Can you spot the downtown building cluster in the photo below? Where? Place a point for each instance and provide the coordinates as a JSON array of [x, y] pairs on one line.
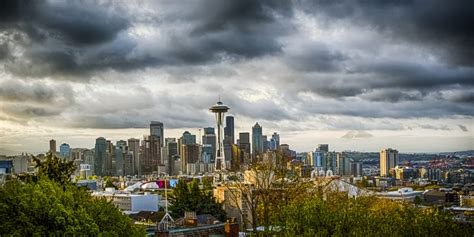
[[156, 154]]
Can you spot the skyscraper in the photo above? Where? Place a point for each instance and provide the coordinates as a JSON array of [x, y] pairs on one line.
[[274, 141], [52, 146], [109, 164], [134, 148], [191, 154], [209, 138], [156, 129], [266, 143], [188, 138], [65, 151], [257, 143], [220, 109], [244, 145], [151, 150], [388, 160], [343, 164], [170, 153], [229, 130], [100, 155], [121, 151], [323, 147]]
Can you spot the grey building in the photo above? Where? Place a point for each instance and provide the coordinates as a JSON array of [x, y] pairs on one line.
[[100, 155], [257, 142]]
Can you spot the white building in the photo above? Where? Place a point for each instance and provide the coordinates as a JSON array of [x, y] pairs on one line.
[[131, 202], [402, 194]]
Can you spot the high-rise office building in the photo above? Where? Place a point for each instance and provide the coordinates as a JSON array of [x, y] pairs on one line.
[[121, 155], [151, 154], [388, 160], [191, 154], [209, 138], [100, 154], [207, 151], [274, 141], [343, 164], [356, 169], [257, 143], [170, 154], [109, 165], [188, 138], [266, 143], [323, 147], [52, 146], [134, 148], [244, 145], [229, 130], [317, 158], [65, 151], [330, 162], [156, 129]]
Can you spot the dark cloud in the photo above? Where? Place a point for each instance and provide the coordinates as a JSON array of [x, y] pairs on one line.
[[444, 26], [75, 23], [311, 57], [392, 96], [244, 16], [27, 112], [463, 128], [37, 92], [76, 38], [4, 51], [461, 97]]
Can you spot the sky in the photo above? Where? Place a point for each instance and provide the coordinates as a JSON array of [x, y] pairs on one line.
[[358, 75]]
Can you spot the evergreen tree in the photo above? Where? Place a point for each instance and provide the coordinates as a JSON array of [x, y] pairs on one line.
[[191, 198], [55, 168]]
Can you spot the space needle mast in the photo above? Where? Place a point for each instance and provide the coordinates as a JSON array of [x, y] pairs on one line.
[[219, 109]]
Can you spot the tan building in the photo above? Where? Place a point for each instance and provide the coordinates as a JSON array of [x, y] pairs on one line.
[[52, 146], [233, 203], [388, 159]]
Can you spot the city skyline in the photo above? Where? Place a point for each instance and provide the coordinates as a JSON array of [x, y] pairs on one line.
[[397, 75]]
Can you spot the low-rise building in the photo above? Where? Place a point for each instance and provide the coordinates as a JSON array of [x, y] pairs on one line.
[[130, 202]]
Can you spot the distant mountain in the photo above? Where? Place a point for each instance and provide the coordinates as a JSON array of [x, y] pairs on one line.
[[357, 134], [7, 152], [458, 153]]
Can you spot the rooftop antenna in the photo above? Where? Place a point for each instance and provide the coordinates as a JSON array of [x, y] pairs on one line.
[[164, 223]]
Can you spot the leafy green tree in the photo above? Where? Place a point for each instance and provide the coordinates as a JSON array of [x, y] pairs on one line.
[[191, 198], [338, 215], [55, 168], [48, 207], [48, 204]]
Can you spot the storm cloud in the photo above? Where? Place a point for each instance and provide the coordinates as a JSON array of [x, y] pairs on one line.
[[118, 64]]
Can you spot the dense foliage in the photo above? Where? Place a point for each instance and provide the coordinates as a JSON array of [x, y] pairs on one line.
[[55, 168], [339, 215], [50, 204], [191, 198]]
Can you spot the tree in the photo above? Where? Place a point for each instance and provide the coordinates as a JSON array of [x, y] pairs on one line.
[[191, 198], [48, 203], [268, 185], [339, 215], [48, 207], [55, 168]]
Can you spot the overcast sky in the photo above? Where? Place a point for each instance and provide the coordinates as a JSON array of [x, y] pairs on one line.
[[359, 75]]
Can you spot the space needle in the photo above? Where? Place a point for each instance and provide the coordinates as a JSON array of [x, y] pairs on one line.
[[219, 109]]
